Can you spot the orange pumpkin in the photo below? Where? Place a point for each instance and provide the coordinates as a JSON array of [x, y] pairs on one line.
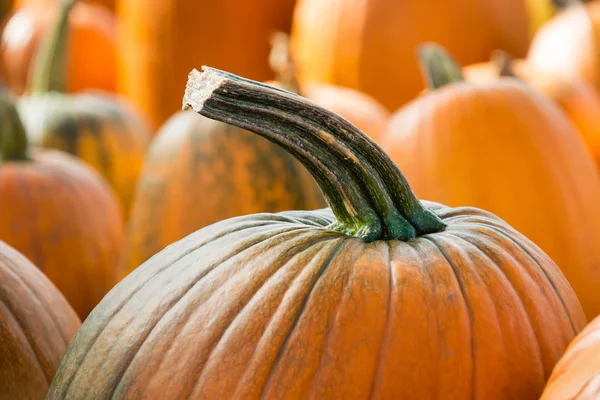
[[383, 296], [59, 213], [36, 325], [568, 46], [504, 147], [92, 53], [577, 374], [160, 41], [362, 110], [356, 43], [579, 100]]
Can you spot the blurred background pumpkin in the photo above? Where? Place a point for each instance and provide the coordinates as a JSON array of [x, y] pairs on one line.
[[92, 59]]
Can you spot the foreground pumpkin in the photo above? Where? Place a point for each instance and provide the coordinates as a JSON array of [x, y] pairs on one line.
[[96, 127], [578, 99], [231, 34], [59, 213], [577, 374], [92, 46], [36, 325], [339, 303], [356, 43], [504, 147], [568, 45]]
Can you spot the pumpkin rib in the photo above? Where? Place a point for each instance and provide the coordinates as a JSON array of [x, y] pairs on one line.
[[151, 278], [301, 309], [490, 244], [333, 250], [8, 262], [388, 318], [28, 339], [191, 286], [467, 304], [550, 281], [330, 328], [306, 246]]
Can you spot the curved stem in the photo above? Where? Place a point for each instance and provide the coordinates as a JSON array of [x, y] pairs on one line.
[[438, 67], [366, 191], [282, 62], [50, 63], [13, 139], [504, 62]]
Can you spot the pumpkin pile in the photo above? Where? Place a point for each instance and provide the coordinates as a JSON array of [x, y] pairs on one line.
[[372, 199]]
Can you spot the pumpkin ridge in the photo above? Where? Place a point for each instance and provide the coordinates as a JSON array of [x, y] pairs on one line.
[[324, 267], [151, 278], [388, 318], [9, 263], [333, 250], [491, 244], [526, 251], [28, 338], [304, 244], [468, 306], [331, 327], [192, 284]]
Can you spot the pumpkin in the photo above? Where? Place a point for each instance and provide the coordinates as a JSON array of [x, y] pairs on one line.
[[97, 127], [355, 43], [362, 110], [567, 46], [579, 100], [36, 325], [156, 50], [504, 147], [110, 4], [577, 374], [59, 213], [335, 303], [92, 46]]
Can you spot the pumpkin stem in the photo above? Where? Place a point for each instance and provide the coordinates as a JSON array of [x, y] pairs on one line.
[[50, 63], [366, 191], [438, 67], [13, 139], [282, 62], [504, 62]]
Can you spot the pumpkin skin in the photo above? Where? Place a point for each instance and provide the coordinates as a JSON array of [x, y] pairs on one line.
[[36, 325], [576, 376], [354, 43], [95, 127], [503, 147], [198, 172], [578, 99], [92, 59], [568, 47], [150, 42], [284, 305]]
